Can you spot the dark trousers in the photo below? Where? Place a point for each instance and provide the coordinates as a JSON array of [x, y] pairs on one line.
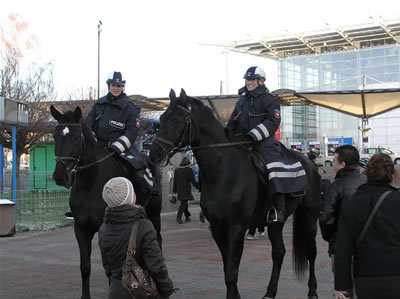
[[183, 209], [387, 287]]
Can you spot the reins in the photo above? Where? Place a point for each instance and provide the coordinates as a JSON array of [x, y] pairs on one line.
[[96, 162], [188, 125], [77, 168]]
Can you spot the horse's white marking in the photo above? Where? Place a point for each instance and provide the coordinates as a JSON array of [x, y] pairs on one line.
[[65, 131]]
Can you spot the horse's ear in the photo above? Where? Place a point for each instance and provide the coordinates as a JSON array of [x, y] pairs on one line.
[[182, 96], [55, 113], [172, 95], [77, 114]]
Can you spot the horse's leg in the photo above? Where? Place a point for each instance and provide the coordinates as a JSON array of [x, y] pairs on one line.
[[84, 239], [153, 211], [278, 253], [230, 243], [311, 255]]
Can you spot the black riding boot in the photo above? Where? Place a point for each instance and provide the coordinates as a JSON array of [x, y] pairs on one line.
[[277, 214]]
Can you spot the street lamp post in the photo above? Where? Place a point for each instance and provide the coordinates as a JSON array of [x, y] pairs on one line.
[[98, 58]]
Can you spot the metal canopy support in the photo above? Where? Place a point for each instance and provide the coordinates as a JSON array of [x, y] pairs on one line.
[[387, 29], [344, 35]]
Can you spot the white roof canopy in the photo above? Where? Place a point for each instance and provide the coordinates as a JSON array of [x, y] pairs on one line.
[[360, 103]]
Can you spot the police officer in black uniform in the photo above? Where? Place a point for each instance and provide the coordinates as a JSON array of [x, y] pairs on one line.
[[256, 118], [114, 118]]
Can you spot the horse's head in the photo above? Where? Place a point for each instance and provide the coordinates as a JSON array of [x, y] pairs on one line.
[[175, 129], [69, 140]]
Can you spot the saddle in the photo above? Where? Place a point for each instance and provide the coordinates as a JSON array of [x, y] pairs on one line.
[[258, 163], [139, 163], [134, 158]]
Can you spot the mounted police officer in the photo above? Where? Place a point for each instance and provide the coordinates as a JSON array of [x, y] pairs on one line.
[[115, 122], [256, 118]]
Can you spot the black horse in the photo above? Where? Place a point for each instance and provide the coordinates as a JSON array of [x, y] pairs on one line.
[[232, 192], [83, 164]]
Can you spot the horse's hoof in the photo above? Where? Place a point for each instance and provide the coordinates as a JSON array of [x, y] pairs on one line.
[[313, 297]]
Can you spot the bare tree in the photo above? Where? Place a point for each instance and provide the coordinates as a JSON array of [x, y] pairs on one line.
[[33, 87]]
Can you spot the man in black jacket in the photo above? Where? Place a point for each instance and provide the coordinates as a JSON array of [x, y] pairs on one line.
[[345, 184], [183, 179]]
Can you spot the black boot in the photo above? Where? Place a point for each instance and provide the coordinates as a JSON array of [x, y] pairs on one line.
[[277, 214], [69, 215], [201, 217]]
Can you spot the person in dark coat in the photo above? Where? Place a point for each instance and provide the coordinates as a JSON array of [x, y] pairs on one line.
[[345, 184], [183, 179], [114, 236], [377, 258], [256, 118]]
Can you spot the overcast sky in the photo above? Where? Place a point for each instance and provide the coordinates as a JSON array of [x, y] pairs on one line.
[[157, 44]]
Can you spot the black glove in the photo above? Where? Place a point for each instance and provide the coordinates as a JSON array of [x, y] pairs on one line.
[[245, 137], [115, 149]]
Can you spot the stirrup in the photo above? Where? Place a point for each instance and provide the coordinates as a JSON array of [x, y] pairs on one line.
[[268, 215]]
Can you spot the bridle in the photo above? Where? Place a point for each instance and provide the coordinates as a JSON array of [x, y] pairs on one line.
[[75, 168], [188, 127], [175, 148]]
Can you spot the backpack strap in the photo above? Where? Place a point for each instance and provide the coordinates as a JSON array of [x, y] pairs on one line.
[[371, 216], [132, 238]]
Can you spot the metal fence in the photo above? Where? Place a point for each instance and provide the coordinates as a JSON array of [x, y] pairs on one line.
[[36, 209], [41, 205]]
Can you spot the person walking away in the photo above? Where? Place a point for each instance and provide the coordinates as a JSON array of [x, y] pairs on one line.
[[345, 184], [183, 179], [120, 215], [377, 256], [256, 118]]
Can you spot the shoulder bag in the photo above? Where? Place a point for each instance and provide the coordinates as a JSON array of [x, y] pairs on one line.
[[136, 280], [371, 216]]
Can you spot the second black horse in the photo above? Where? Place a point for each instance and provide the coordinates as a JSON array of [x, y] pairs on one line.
[[232, 192]]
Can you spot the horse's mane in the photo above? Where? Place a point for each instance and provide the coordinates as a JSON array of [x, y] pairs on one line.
[[207, 113]]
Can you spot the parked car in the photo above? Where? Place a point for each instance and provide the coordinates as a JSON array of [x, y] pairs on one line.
[[368, 152], [324, 161]]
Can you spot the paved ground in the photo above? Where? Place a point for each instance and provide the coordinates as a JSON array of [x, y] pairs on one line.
[[46, 265]]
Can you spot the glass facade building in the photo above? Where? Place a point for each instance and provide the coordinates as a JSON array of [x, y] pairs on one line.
[[371, 66]]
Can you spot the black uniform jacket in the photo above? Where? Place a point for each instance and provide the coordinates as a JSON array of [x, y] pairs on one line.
[[345, 184], [114, 236], [257, 114], [378, 254], [183, 177], [115, 121], [112, 117]]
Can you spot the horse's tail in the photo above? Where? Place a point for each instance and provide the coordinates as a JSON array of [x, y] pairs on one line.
[[300, 242]]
